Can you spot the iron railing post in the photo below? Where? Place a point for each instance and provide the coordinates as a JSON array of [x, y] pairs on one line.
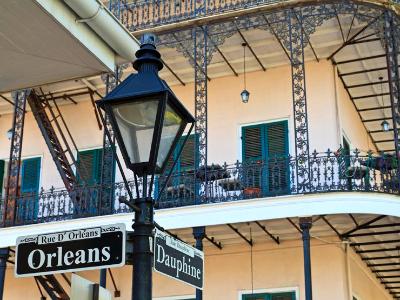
[[392, 49]]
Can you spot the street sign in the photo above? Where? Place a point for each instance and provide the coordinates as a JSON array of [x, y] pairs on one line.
[[70, 251], [178, 260]]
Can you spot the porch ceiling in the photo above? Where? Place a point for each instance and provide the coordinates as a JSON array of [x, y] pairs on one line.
[[228, 60], [35, 48], [374, 238]]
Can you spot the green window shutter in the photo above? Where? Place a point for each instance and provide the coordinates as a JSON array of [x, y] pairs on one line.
[[90, 166], [283, 296], [30, 175], [266, 143], [2, 166], [98, 165], [277, 139], [277, 149], [187, 160], [252, 143], [188, 157]]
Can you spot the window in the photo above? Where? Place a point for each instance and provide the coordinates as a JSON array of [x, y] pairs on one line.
[[264, 153], [271, 296], [30, 176], [186, 161], [28, 204], [181, 185], [89, 164]]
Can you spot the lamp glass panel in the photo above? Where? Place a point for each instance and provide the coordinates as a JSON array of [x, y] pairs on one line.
[[171, 125], [136, 121]]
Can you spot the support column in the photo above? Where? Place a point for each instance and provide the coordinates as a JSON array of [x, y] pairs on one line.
[[108, 158], [10, 203], [296, 46], [200, 77], [199, 234], [392, 50], [106, 204], [4, 252], [305, 225]]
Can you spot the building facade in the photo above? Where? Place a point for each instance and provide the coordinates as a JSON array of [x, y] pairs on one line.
[[312, 154]]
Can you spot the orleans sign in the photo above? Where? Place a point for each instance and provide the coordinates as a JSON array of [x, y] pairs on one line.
[[68, 251]]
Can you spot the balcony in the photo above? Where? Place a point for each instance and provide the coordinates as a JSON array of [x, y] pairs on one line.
[[329, 172], [142, 14]]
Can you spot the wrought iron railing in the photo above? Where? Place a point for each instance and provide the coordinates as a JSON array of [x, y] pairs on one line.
[[141, 14], [330, 172]]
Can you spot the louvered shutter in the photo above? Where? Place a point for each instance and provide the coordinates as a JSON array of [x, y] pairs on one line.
[[30, 175], [252, 138], [98, 165], [90, 166], [2, 165], [253, 150], [277, 152], [170, 162], [186, 162], [277, 139], [187, 158]]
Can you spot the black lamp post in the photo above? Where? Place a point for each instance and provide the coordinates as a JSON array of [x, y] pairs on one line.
[[147, 120]]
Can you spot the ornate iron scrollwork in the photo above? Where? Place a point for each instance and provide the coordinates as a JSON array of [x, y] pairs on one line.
[[392, 51], [108, 161], [200, 73], [296, 46]]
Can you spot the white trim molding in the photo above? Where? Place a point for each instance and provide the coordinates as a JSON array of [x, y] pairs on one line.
[[231, 212], [176, 297]]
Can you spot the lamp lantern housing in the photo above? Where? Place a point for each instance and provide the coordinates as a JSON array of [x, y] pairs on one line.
[[146, 116]]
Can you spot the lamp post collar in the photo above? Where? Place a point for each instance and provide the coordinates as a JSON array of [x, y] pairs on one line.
[[148, 58]]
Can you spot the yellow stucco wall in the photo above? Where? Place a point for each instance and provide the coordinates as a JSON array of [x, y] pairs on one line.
[[271, 99]]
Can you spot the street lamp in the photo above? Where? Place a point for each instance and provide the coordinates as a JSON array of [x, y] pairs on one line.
[[147, 120]]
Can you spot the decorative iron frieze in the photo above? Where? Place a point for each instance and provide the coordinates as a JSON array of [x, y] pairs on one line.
[[108, 156], [392, 51], [200, 41], [295, 41]]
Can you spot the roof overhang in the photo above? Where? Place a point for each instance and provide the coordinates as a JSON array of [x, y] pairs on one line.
[[45, 41]]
